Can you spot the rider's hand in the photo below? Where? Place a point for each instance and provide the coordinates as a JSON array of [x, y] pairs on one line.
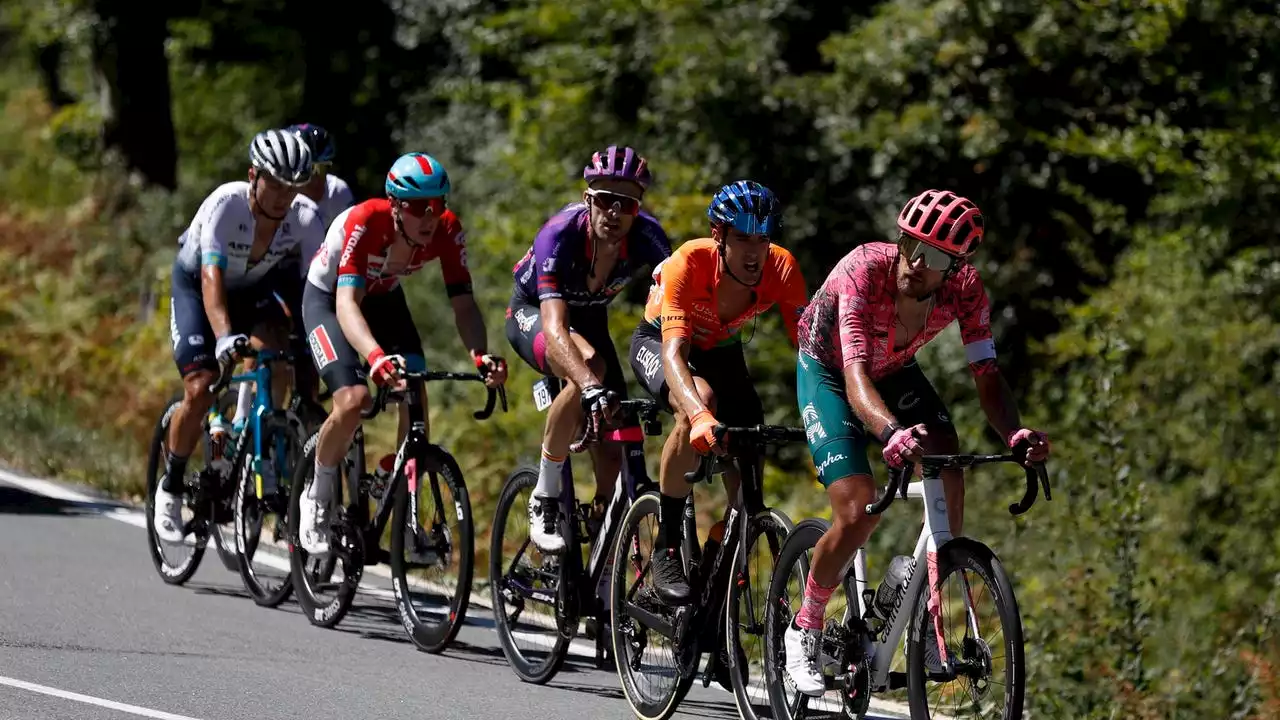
[[1037, 443], [702, 435], [225, 348], [385, 369], [493, 368], [598, 402], [904, 446]]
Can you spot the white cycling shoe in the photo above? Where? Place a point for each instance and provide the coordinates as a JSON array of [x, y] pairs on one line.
[[802, 659], [168, 516], [544, 524], [313, 524]]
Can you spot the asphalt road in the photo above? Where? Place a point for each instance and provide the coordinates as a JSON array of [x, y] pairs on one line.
[[88, 631]]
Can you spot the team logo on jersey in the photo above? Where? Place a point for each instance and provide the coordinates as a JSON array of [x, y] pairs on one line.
[[649, 360], [352, 240], [321, 347]]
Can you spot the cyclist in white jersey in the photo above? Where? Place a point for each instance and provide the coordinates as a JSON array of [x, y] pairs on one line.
[[222, 289]]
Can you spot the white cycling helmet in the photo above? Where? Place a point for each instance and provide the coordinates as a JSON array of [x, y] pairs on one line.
[[282, 155]]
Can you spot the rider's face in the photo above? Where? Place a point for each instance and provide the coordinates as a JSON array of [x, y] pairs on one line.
[[419, 218], [917, 280], [315, 187], [272, 196], [612, 205], [743, 253]]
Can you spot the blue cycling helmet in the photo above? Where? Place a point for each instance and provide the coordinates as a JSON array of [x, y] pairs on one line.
[[318, 139], [415, 176], [746, 206]]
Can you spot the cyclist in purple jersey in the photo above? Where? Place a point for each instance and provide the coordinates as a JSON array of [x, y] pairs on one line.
[[558, 319]]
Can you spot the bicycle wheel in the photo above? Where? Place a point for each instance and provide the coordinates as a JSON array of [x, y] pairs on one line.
[[786, 589], [432, 548], [261, 524], [522, 582], [651, 678], [744, 615], [990, 653], [175, 562], [324, 599]]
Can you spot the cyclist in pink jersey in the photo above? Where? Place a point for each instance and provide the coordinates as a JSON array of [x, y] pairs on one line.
[[857, 379]]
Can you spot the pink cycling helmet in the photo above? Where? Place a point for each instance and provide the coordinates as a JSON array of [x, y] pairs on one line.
[[944, 220], [619, 163]]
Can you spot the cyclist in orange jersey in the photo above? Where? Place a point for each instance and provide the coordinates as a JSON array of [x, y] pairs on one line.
[[687, 353]]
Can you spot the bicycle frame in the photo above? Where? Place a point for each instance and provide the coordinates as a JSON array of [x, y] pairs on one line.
[[263, 416]]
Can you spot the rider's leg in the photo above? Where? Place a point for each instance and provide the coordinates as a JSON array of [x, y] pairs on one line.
[[564, 418]]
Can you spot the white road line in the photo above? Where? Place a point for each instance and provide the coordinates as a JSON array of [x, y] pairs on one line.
[[137, 519], [90, 700]]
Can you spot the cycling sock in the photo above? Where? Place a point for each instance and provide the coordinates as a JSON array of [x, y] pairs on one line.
[[323, 484], [244, 403], [175, 467], [670, 521], [814, 607], [549, 475]]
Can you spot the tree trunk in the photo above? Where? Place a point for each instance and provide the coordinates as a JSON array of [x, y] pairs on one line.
[[129, 59]]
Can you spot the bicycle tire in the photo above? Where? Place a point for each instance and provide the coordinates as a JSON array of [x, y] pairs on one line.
[[170, 575], [246, 495], [803, 538], [774, 526], [537, 673], [436, 465], [661, 708], [326, 615], [969, 554]]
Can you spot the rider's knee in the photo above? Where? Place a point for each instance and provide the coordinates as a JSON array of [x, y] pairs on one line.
[[195, 389], [348, 402]]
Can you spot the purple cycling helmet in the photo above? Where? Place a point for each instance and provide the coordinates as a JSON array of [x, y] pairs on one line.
[[620, 163]]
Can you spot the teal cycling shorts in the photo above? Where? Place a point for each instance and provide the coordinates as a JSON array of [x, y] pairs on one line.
[[837, 438]]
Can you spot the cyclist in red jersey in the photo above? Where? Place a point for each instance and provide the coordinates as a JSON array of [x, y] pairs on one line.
[[857, 379], [355, 311]]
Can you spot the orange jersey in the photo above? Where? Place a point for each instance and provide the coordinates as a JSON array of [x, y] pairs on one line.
[[682, 301]]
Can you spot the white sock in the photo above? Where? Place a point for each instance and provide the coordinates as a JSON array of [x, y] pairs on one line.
[[549, 475], [243, 403], [322, 485]]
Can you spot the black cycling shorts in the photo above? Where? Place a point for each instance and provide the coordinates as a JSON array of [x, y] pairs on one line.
[[389, 320], [524, 332], [193, 340], [724, 368]]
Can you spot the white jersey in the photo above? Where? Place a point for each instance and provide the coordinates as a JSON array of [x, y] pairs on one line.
[[337, 197], [222, 234]]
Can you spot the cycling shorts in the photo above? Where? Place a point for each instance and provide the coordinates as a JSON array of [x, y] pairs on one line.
[[524, 332], [189, 329], [723, 367], [837, 438], [389, 320]]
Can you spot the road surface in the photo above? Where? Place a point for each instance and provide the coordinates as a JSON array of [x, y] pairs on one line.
[[89, 632]]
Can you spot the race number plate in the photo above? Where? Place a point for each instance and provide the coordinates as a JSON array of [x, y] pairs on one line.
[[541, 395]]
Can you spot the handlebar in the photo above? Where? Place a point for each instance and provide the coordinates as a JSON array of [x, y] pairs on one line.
[[740, 439], [386, 394], [632, 421], [932, 465], [243, 350]]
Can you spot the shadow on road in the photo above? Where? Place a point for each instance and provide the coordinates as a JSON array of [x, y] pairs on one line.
[[16, 501]]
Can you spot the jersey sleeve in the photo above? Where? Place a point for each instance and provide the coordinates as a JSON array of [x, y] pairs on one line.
[[353, 265], [793, 296], [974, 316], [676, 290], [216, 224], [341, 198], [310, 243], [550, 246], [658, 244], [853, 314], [453, 260]]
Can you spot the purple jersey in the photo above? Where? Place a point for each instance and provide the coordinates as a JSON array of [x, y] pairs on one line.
[[558, 263]]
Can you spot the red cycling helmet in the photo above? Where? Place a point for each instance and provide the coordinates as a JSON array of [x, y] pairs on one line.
[[944, 220]]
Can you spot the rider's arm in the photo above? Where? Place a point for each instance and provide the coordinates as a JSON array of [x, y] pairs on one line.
[[672, 282], [350, 287], [470, 322], [855, 344], [215, 300], [555, 326], [794, 295], [994, 393], [457, 285], [865, 399], [997, 401]]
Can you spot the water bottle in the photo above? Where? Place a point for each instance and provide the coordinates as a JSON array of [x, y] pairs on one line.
[[382, 476], [219, 434], [887, 594]]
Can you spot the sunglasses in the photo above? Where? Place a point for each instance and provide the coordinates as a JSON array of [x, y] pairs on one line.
[[421, 206], [934, 259], [617, 202]]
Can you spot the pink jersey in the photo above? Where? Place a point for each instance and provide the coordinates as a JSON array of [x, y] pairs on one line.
[[852, 318]]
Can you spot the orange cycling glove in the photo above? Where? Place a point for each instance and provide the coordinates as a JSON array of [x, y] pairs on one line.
[[702, 434]]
